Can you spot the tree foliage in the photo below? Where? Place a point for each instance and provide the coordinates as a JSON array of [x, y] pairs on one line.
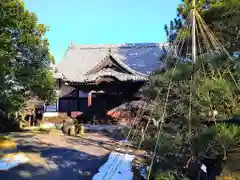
[[216, 87], [215, 90], [221, 16], [25, 60]]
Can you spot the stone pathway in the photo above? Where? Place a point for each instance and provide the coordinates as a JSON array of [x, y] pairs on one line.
[[59, 157]]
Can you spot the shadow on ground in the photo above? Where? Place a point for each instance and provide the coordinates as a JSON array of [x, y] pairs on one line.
[[109, 145], [54, 163]]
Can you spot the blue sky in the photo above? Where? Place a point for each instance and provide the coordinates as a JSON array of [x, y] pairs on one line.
[[102, 21]]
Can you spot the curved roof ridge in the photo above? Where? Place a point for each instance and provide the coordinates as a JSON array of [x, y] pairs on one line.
[[119, 75], [121, 62], [115, 46]]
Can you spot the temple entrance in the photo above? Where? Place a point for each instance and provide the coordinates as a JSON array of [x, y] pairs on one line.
[[99, 102], [99, 107]]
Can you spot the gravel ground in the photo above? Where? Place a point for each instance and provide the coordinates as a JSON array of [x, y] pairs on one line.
[[59, 157]]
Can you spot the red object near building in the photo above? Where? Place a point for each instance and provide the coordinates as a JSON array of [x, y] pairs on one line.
[[114, 114], [89, 99], [75, 114]]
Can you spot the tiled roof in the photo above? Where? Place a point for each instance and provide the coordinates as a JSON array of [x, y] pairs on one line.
[[120, 76], [80, 59]]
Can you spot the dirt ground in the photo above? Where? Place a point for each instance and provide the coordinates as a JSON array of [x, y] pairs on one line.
[[59, 157]]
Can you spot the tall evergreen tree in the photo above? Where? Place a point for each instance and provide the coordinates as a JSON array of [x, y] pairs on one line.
[[220, 15], [217, 88]]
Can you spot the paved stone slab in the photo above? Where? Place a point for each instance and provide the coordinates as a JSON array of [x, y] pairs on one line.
[[59, 157]]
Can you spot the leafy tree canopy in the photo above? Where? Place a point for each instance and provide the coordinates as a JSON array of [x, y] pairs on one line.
[[25, 60]]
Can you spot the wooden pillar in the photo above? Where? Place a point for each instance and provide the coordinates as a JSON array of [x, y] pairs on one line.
[[57, 105], [89, 99]]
